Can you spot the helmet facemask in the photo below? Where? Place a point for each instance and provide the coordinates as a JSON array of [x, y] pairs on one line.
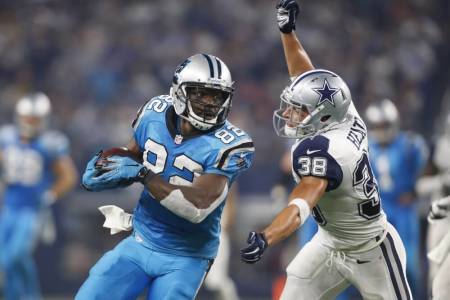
[[30, 127], [383, 121], [314, 102], [32, 113], [293, 119], [201, 90], [206, 105]]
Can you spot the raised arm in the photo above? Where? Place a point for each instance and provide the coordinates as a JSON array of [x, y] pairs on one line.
[[297, 59]]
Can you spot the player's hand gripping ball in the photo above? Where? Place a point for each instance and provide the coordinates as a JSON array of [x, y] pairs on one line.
[[110, 169], [102, 163]]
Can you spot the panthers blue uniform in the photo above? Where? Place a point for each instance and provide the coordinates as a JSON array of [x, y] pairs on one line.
[[26, 172], [171, 253], [397, 167]]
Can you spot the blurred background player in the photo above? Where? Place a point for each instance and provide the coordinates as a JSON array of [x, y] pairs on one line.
[[398, 158], [218, 279], [36, 170]]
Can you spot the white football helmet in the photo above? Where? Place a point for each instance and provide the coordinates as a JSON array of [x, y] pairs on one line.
[[32, 113], [383, 121], [197, 76], [314, 102]]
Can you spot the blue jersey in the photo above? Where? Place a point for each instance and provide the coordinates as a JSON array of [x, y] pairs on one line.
[[226, 150], [26, 168], [398, 165]]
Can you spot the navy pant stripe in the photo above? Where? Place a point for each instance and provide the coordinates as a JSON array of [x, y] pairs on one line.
[[399, 266], [391, 271]]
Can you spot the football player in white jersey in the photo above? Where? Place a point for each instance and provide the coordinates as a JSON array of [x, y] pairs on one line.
[[355, 245], [437, 187]]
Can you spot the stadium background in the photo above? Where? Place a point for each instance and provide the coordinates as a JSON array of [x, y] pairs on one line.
[[99, 61]]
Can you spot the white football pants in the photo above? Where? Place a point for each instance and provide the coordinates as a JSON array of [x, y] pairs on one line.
[[439, 272], [318, 272]]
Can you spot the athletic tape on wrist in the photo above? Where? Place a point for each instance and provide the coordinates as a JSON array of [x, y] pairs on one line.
[[303, 206], [145, 176]]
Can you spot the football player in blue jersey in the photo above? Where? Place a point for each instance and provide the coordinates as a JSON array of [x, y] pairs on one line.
[[398, 159], [36, 169], [355, 244], [189, 157]]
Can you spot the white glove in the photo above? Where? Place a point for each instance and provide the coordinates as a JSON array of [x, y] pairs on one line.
[[116, 218]]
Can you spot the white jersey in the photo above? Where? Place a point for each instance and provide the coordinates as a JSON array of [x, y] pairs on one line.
[[349, 214]]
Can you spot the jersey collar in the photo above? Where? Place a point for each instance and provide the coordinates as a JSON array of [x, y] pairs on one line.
[[172, 119]]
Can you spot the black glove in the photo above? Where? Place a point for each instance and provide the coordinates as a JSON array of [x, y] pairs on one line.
[[287, 11], [256, 245]]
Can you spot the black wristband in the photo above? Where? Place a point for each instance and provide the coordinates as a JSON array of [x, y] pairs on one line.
[[145, 176], [287, 30], [263, 237]]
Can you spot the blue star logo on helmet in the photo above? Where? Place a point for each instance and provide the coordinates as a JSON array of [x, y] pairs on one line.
[[326, 93]]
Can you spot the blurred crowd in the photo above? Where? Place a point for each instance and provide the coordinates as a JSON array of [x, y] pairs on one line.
[[99, 61]]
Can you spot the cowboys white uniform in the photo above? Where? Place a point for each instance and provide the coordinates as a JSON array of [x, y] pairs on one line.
[[355, 245], [438, 236]]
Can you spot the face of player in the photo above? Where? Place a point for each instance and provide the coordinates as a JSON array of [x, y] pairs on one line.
[[30, 126], [384, 133], [206, 102], [295, 115]]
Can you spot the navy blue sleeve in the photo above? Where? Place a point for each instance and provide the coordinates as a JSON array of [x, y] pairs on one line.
[[311, 158]]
